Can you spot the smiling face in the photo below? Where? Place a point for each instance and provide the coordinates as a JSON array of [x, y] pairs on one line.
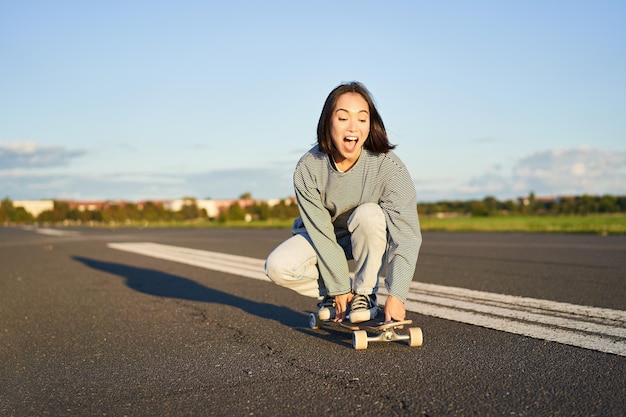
[[349, 128]]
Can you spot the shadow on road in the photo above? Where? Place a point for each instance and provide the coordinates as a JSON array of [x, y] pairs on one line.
[[153, 282]]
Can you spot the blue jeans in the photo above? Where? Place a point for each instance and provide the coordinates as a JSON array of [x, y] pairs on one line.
[[293, 264]]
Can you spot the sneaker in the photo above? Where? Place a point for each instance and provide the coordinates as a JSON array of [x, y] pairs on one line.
[[327, 309], [363, 308]]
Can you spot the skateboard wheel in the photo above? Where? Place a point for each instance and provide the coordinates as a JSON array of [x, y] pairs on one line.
[[416, 338], [314, 321], [324, 314], [359, 339]]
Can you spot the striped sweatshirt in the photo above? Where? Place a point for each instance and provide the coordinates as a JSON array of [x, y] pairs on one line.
[[327, 198]]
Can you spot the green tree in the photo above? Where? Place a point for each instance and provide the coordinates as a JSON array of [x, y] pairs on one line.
[[233, 213], [510, 207], [479, 209], [284, 210], [259, 211], [153, 212], [190, 211], [20, 215], [6, 208], [566, 205], [491, 204], [114, 213], [586, 204], [59, 213], [8, 212], [608, 204], [531, 207]]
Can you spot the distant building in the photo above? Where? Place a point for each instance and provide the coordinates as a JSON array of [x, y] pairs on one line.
[[35, 207], [213, 207], [86, 205]]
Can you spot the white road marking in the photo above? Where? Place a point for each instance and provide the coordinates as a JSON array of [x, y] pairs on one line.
[[232, 264], [51, 232], [594, 328]]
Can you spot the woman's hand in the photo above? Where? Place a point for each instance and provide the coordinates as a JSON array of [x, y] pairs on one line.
[[341, 306], [394, 309]]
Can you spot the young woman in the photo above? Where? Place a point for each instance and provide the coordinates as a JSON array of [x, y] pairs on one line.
[[357, 201]]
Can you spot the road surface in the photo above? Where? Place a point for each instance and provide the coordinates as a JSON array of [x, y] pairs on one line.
[[182, 322]]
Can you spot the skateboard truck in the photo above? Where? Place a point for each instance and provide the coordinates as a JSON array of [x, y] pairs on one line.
[[385, 332]]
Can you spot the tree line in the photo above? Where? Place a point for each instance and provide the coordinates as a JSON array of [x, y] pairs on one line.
[[155, 212], [531, 205], [148, 212]]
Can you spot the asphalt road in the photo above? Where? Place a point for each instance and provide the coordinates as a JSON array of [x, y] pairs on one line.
[[86, 329]]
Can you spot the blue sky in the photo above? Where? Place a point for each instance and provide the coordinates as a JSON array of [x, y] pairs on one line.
[[154, 100]]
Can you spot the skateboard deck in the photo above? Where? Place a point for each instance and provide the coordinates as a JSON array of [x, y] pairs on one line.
[[384, 332]]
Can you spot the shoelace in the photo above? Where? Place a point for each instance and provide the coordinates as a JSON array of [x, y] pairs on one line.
[[327, 302], [360, 301]]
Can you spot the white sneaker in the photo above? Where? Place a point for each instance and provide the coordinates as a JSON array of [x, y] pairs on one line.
[[326, 308], [363, 308]]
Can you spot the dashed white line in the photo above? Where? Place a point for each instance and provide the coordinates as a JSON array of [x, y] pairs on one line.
[[594, 328]]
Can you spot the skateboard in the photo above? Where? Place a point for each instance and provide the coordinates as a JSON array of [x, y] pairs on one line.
[[385, 332]]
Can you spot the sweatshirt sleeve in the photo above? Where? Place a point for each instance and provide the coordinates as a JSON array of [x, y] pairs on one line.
[[399, 202], [332, 262]]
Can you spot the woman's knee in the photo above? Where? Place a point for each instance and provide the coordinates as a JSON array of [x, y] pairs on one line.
[[369, 214], [290, 261], [276, 268]]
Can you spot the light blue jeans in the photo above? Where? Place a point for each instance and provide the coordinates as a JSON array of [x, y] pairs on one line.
[[293, 264]]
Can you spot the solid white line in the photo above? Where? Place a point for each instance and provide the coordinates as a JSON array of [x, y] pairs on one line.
[[594, 328], [51, 232], [568, 337], [232, 264], [514, 312]]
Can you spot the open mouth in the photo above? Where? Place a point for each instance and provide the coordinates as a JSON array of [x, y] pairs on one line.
[[350, 143]]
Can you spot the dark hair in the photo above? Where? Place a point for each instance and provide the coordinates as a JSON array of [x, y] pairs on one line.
[[377, 141]]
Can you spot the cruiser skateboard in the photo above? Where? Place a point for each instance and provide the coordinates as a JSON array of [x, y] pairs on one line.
[[384, 332]]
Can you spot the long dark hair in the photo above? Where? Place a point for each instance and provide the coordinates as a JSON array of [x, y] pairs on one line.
[[377, 141]]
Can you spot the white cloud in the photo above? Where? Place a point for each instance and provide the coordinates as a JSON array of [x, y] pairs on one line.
[[26, 154], [31, 171], [582, 170], [554, 172], [576, 170], [261, 183]]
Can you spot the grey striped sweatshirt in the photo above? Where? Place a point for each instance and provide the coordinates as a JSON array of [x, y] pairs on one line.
[[327, 197]]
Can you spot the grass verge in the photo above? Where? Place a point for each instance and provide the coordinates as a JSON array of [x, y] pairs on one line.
[[591, 224]]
